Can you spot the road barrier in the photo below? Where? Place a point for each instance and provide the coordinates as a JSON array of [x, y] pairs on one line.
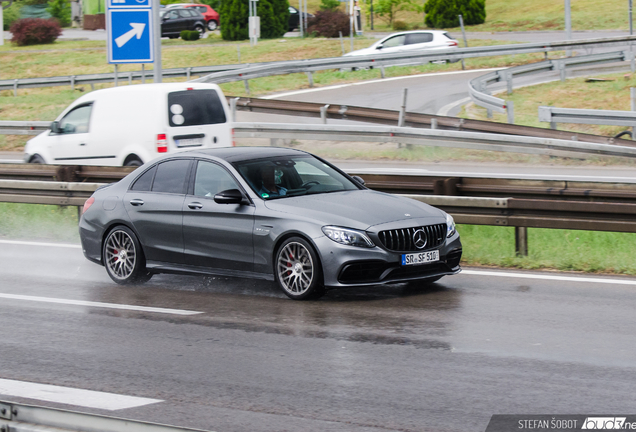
[[15, 417], [242, 72], [478, 87], [554, 115]]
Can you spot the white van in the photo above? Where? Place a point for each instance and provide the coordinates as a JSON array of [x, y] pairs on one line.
[[131, 125]]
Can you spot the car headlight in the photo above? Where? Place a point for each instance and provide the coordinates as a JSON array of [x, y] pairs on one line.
[[450, 226], [348, 236]]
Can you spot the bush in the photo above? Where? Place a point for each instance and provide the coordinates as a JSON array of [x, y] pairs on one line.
[[329, 5], [400, 25], [444, 13], [34, 31], [234, 18], [60, 9], [328, 24], [190, 35]]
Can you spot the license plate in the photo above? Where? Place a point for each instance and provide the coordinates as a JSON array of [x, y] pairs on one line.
[[189, 142], [420, 258]]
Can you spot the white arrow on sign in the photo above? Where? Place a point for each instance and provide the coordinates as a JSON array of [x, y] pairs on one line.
[[137, 30]]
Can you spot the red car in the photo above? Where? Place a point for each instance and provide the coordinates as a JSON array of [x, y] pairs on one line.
[[211, 16]]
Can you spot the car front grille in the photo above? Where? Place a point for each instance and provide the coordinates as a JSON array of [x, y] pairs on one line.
[[401, 240]]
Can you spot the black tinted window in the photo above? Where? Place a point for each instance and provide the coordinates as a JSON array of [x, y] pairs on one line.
[[145, 180], [170, 176], [417, 38], [195, 107]]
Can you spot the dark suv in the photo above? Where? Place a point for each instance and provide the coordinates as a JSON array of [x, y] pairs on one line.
[[176, 19]]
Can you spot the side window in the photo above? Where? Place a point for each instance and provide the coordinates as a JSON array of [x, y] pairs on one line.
[[144, 181], [200, 9], [417, 38], [170, 176], [77, 120], [211, 179], [394, 42], [173, 15], [185, 13]]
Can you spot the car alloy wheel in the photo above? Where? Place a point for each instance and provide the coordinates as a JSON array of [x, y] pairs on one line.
[[212, 25], [200, 29], [297, 270], [123, 257]]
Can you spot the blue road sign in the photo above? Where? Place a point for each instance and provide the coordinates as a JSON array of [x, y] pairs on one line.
[[128, 4], [130, 36]]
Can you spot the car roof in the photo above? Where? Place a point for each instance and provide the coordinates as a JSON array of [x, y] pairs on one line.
[[239, 154]]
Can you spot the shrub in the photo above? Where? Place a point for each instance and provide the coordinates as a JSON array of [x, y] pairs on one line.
[[60, 9], [329, 24], [234, 18], [444, 13], [400, 25], [34, 31], [190, 35], [329, 5]]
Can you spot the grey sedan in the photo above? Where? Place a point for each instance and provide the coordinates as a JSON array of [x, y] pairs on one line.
[[271, 213]]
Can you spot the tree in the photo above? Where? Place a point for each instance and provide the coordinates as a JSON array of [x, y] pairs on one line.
[[234, 14], [329, 5], [444, 13], [60, 9], [389, 8]]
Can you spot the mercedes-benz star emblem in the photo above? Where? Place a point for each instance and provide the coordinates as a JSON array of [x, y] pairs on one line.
[[419, 239]]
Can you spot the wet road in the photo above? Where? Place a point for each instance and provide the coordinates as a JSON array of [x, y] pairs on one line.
[[442, 358]]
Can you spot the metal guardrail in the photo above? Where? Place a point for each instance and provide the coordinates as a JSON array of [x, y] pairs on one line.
[[478, 87], [229, 73], [555, 115], [15, 417], [431, 137]]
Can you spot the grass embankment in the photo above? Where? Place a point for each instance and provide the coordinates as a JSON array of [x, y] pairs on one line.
[[490, 246], [613, 94]]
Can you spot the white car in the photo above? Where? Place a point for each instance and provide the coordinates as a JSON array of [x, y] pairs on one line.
[[410, 41]]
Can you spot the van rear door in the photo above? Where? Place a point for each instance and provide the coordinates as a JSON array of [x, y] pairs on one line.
[[197, 118]]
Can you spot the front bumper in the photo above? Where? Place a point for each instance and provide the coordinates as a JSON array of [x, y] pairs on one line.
[[348, 266]]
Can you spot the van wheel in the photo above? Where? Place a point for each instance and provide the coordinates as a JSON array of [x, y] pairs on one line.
[[36, 159], [212, 25], [133, 162]]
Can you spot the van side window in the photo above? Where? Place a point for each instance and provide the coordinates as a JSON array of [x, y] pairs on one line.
[[211, 179], [170, 176], [77, 120], [195, 107], [144, 181]]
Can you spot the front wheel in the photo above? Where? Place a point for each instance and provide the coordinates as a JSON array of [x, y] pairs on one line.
[[297, 270], [123, 257]]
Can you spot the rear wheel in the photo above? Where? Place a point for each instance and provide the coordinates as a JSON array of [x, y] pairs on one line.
[[133, 162], [36, 159], [123, 257], [297, 270], [200, 29], [212, 25]]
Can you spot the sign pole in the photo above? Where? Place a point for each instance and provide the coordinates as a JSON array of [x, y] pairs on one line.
[[158, 71]]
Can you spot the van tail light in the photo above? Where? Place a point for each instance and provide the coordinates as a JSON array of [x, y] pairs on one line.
[[233, 142], [452, 43], [89, 202], [162, 143]]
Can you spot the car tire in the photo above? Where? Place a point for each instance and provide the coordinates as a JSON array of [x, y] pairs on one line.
[[133, 162], [123, 257], [200, 29], [36, 159], [297, 270], [212, 25]]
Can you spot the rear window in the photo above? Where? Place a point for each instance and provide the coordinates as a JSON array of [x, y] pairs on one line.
[[194, 108]]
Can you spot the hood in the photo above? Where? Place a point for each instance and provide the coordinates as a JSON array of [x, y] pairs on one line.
[[359, 209]]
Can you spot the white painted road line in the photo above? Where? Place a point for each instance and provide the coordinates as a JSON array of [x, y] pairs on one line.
[[72, 396], [28, 243], [99, 304], [555, 277]]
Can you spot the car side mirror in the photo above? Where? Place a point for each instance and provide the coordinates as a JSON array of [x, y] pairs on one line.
[[230, 196], [359, 180], [55, 127], [379, 47]]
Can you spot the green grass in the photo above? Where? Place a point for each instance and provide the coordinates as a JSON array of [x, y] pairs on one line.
[[566, 250], [38, 222]]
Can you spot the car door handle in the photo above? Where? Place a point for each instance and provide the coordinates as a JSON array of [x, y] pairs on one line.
[[137, 202], [82, 144], [195, 205]]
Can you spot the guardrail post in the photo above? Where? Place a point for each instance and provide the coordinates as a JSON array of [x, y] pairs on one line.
[[311, 79], [233, 102], [92, 86], [323, 113], [238, 50], [510, 110], [509, 82], [188, 72], [15, 88], [143, 73], [382, 71], [129, 78], [521, 241], [247, 86], [72, 82], [561, 66], [433, 123], [116, 77], [402, 108], [342, 43], [632, 94]]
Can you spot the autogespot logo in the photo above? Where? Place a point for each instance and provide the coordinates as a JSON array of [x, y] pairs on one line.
[[604, 423]]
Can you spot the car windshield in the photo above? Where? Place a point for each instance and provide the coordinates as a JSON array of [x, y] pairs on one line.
[[283, 177]]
